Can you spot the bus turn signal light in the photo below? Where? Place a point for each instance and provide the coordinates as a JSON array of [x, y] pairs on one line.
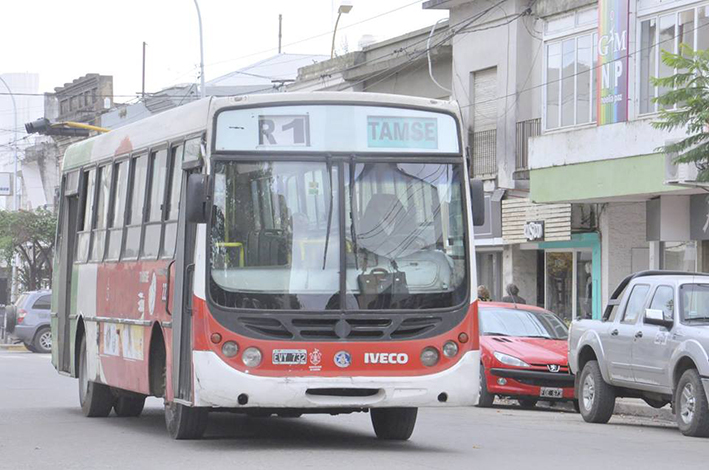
[[216, 338], [463, 338]]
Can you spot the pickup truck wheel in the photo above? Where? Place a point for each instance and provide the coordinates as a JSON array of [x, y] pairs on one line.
[[691, 406], [486, 398], [596, 397]]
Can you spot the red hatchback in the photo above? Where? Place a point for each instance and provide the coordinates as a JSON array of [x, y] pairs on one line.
[[523, 354]]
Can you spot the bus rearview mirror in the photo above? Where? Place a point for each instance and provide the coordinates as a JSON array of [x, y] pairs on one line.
[[197, 200], [477, 198]]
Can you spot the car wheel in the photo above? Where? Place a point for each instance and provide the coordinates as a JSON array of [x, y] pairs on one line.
[[577, 407], [527, 402], [486, 399], [691, 406], [393, 423], [96, 399], [30, 347], [596, 397], [185, 422], [43, 340], [129, 405]]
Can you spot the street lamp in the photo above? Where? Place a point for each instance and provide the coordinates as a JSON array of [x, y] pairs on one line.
[[345, 8], [203, 92]]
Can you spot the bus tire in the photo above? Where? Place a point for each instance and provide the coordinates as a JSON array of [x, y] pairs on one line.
[[185, 422], [129, 405], [96, 399], [486, 399], [393, 423]]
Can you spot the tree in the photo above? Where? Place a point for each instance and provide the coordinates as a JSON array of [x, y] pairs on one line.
[[30, 235], [685, 104]]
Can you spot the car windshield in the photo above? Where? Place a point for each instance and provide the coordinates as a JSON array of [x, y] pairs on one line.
[[276, 235], [694, 302], [521, 323]]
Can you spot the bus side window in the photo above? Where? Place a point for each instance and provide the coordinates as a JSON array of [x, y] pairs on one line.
[[87, 212], [139, 173], [154, 208], [118, 211], [172, 209], [99, 233]]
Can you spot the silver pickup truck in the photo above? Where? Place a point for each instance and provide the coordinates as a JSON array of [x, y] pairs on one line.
[[652, 343]]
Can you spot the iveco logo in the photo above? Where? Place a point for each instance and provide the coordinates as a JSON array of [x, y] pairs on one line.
[[554, 367], [386, 358]]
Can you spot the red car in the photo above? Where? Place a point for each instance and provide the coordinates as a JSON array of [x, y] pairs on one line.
[[523, 354]]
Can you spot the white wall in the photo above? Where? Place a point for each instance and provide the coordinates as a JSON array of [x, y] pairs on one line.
[[622, 229]]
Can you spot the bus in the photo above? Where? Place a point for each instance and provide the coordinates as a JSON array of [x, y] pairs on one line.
[[274, 254]]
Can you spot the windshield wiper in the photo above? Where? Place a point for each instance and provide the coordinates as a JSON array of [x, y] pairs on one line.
[[329, 212], [697, 319]]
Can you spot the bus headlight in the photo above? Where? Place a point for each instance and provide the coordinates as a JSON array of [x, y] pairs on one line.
[[429, 356], [251, 357], [230, 348], [450, 349]]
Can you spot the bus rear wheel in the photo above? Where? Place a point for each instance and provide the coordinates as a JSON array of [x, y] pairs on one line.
[[185, 422], [393, 423], [96, 399], [129, 405]]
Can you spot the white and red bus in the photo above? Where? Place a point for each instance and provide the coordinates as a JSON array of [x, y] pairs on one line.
[[277, 254]]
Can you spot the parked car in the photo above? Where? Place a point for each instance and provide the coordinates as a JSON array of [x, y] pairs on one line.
[[652, 343], [29, 320], [523, 354]]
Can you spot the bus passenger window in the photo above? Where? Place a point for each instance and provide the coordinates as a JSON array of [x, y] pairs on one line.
[[87, 205], [173, 203], [117, 216], [135, 216], [99, 234], [153, 226]]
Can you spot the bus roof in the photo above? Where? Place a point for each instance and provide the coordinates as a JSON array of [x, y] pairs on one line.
[[194, 117]]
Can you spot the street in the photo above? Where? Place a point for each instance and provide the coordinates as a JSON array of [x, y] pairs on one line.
[[41, 426]]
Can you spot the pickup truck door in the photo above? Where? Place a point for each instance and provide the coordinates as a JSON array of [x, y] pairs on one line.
[[653, 344], [620, 334]]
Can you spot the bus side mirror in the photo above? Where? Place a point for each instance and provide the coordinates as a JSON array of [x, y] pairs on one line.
[[197, 199], [477, 198]]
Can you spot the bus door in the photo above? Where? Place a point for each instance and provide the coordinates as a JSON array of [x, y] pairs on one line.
[[64, 285], [182, 302]]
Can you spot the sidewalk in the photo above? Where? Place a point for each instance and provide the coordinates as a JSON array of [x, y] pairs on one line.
[[12, 347], [637, 407]]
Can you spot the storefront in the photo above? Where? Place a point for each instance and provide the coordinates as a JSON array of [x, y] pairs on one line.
[[488, 245]]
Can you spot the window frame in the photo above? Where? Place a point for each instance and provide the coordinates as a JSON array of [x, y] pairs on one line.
[[674, 299], [126, 158], [81, 221], [38, 299], [100, 168], [134, 156], [642, 308], [172, 147], [152, 157]]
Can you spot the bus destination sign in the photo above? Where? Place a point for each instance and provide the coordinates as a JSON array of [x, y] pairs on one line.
[[402, 132]]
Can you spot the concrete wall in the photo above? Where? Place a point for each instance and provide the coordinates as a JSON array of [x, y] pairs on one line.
[[520, 267], [622, 229], [518, 58], [415, 80]]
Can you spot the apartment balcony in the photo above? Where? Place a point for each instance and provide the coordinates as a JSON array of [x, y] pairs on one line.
[[525, 130], [483, 146]]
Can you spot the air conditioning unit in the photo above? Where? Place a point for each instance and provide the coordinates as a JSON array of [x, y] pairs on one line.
[[679, 173]]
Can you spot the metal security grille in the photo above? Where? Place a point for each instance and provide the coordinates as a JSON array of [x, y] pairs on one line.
[[525, 130], [484, 148]]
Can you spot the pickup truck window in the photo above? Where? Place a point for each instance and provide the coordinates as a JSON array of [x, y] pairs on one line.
[[694, 303], [664, 299], [636, 302]]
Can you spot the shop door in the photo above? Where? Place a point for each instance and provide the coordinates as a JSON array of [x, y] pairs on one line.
[[569, 284]]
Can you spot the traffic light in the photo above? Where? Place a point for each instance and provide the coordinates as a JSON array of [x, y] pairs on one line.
[[40, 126], [69, 129]]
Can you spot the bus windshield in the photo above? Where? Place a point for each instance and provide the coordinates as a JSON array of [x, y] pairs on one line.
[[278, 239]]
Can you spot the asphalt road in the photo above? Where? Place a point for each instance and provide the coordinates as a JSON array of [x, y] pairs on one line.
[[41, 426]]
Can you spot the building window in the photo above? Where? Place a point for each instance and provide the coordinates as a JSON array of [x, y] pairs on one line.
[[571, 77], [666, 32], [64, 107]]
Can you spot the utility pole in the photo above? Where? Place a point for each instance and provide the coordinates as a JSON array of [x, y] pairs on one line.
[[16, 203], [203, 92], [143, 89], [280, 29]]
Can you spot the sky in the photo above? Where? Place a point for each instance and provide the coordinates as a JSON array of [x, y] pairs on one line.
[[63, 40]]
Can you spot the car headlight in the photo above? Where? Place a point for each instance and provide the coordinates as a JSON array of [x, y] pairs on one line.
[[509, 360]]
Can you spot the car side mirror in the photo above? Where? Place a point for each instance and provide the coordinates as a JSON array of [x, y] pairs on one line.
[[197, 198], [477, 199], [655, 316]]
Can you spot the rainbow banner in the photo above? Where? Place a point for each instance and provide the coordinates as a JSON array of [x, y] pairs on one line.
[[612, 93]]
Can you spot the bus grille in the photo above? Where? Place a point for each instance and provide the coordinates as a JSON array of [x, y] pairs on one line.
[[338, 328]]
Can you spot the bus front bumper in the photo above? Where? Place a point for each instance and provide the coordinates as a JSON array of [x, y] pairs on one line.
[[216, 384]]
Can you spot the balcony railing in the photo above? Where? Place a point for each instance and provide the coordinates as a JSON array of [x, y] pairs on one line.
[[525, 130], [484, 148]]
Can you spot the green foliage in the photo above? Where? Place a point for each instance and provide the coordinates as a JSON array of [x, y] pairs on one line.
[[685, 105], [31, 236]]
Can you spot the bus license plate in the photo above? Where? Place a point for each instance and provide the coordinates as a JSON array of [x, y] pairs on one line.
[[548, 392], [290, 356]]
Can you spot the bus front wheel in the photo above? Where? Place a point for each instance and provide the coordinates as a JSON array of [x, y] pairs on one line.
[[393, 423], [96, 399], [185, 422]]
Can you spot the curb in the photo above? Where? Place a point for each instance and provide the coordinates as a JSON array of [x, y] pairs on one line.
[[13, 347], [637, 407]]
